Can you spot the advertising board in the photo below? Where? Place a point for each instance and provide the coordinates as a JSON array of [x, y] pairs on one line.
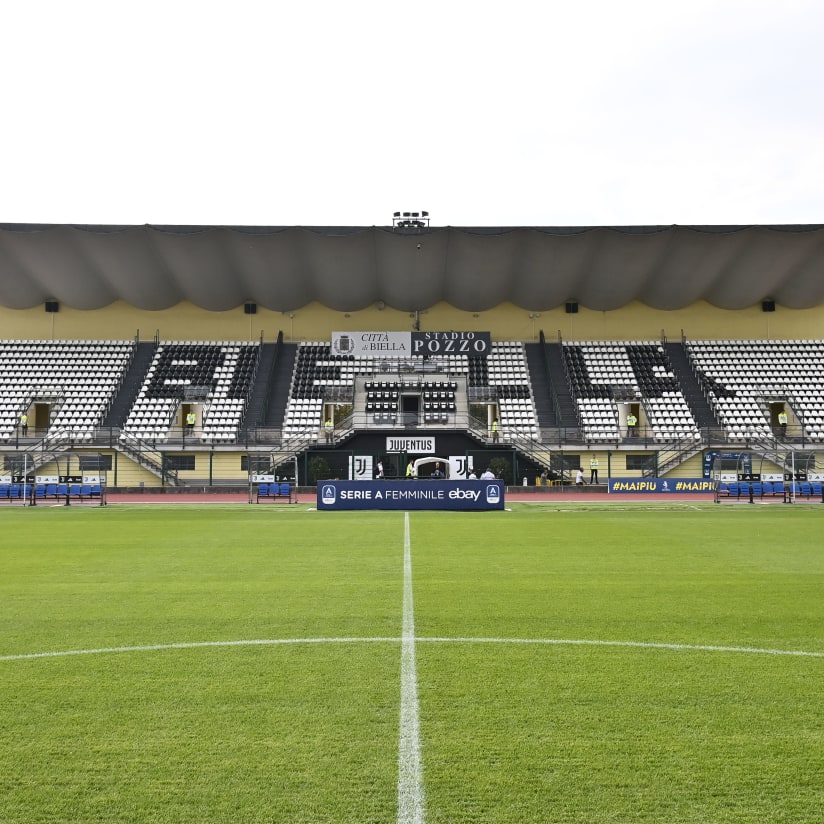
[[661, 485], [410, 495]]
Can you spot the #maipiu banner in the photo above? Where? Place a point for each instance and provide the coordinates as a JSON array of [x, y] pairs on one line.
[[661, 485]]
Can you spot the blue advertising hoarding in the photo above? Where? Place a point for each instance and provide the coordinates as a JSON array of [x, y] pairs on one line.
[[453, 495], [661, 485]]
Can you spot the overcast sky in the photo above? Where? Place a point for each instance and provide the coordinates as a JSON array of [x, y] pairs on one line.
[[485, 114]]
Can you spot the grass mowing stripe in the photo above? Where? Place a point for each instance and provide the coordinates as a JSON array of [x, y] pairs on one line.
[[410, 778]]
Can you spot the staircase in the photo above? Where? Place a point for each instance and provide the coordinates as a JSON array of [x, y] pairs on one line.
[[130, 386], [147, 456], [280, 383], [40, 454], [257, 401], [691, 389], [535, 451], [541, 390], [674, 455], [780, 453], [568, 417]]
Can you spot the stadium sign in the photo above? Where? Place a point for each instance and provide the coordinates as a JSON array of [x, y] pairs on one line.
[[420, 446], [661, 485], [387, 344], [402, 344], [411, 495], [476, 344]]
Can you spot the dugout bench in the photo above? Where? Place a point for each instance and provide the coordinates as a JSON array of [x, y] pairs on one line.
[[274, 492], [758, 489], [37, 493]]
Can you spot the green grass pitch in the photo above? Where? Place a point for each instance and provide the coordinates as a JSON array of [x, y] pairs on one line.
[[590, 665]]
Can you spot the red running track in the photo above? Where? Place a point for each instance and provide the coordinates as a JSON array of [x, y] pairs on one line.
[[570, 496]]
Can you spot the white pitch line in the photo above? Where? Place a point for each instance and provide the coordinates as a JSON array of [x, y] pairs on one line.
[[559, 642], [254, 642], [410, 773], [583, 642]]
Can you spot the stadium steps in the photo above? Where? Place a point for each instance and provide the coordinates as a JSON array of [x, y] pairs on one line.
[[147, 456], [541, 391], [280, 382], [132, 381], [257, 402], [690, 387], [673, 456], [560, 386]]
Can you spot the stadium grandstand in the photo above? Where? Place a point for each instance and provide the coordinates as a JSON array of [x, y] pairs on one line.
[[200, 357]]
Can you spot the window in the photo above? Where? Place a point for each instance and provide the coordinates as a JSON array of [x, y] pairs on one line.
[[95, 463], [180, 462], [640, 462], [256, 464]]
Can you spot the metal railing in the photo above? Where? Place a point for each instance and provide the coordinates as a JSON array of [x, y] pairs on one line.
[[42, 445], [147, 455], [672, 455]]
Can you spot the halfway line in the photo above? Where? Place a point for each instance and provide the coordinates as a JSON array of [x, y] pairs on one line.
[[410, 776]]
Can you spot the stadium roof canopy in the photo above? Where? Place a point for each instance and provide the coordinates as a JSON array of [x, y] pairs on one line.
[[349, 268]]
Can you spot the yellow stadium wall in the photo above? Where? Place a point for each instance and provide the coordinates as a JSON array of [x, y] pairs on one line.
[[225, 466], [614, 464], [691, 468], [316, 322], [126, 473], [766, 467], [131, 474]]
